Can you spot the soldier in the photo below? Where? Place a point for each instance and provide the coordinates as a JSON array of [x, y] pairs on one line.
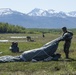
[[14, 47], [43, 34], [67, 40]]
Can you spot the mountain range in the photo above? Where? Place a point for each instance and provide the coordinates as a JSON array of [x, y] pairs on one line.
[[39, 18]]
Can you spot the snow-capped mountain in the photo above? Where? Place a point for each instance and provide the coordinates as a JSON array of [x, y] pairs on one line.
[[36, 12], [71, 14], [51, 13], [39, 12], [5, 11], [39, 18], [8, 11]]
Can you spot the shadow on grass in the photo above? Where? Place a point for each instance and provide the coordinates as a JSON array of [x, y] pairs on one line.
[[68, 60]]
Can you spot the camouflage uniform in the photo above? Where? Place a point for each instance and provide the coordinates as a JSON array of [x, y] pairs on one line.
[[67, 43]]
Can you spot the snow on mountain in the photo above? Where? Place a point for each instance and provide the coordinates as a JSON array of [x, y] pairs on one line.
[[7, 11], [47, 13], [51, 13], [39, 18], [39, 12], [61, 14], [36, 12], [71, 14]]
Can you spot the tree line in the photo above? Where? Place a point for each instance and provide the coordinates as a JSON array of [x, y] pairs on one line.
[[8, 28]]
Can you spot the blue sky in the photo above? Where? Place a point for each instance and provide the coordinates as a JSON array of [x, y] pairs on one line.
[[26, 6]]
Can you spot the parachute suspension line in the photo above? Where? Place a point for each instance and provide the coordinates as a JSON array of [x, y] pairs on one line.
[[35, 55], [44, 50], [39, 52], [46, 53]]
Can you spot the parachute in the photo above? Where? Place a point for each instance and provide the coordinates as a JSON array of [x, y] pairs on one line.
[[42, 53]]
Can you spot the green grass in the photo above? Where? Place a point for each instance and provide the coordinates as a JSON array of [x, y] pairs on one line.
[[61, 67]]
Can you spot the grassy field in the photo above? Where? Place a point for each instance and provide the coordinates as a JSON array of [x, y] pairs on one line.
[[61, 67]]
